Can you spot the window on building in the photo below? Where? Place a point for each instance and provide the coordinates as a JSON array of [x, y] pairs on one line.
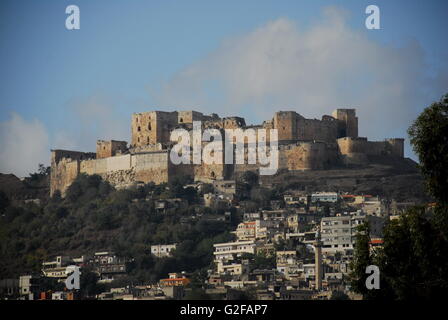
[[138, 129]]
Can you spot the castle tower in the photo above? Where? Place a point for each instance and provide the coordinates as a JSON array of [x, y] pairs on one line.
[[189, 116], [286, 124], [348, 122], [396, 146], [109, 148], [152, 127]]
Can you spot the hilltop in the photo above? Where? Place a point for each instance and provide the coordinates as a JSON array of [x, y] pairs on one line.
[[398, 179]]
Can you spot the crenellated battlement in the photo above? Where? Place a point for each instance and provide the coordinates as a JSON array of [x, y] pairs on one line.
[[303, 144]]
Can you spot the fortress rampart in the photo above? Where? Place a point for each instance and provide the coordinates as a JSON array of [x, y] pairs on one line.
[[304, 144], [356, 150]]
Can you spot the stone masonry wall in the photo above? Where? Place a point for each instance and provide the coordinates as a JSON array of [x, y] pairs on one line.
[[152, 167], [120, 171], [109, 148], [304, 144]]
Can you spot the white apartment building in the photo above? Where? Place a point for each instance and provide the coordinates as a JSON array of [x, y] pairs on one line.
[[339, 233], [227, 251], [57, 268], [162, 250], [255, 230]]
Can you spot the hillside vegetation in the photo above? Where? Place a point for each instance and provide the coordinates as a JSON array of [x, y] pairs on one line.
[[95, 217]]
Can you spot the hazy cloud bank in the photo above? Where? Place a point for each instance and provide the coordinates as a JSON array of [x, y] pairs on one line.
[[277, 66], [24, 144], [313, 71], [95, 117]]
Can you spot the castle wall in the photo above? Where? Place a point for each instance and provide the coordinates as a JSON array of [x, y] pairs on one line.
[[120, 171], [57, 155], [88, 166], [100, 166], [65, 168], [352, 145], [120, 178], [299, 156], [306, 156], [209, 172], [319, 130], [356, 150], [152, 167], [293, 127], [118, 163], [396, 146], [95, 166], [63, 174], [109, 148], [304, 144]]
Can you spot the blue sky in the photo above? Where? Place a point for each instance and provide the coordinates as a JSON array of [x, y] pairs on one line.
[[65, 89]]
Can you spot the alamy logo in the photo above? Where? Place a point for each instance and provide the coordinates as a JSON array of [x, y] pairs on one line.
[[72, 281], [373, 20], [73, 20], [189, 148], [373, 281]]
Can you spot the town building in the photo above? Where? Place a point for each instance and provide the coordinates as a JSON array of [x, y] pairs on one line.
[[162, 250], [339, 232]]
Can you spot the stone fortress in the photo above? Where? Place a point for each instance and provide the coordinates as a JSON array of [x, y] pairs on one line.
[[304, 144]]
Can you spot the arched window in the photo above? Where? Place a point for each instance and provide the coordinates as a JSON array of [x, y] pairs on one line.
[[138, 129], [181, 120], [149, 126]]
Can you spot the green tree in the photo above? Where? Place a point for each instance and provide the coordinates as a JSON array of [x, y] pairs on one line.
[[89, 285], [4, 201], [413, 261], [361, 260], [429, 138]]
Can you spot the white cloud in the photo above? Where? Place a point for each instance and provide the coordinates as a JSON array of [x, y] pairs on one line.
[[281, 67], [24, 144], [93, 118]]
